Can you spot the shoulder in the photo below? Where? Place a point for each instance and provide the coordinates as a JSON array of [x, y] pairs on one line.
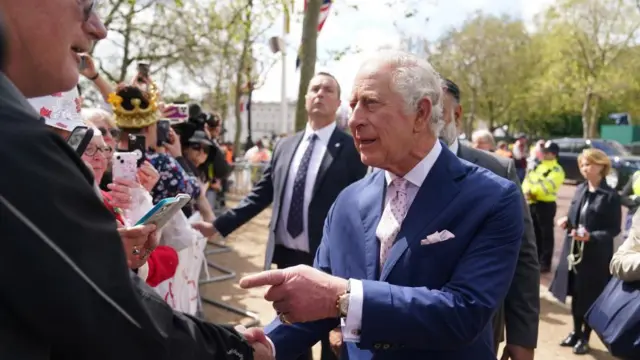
[[481, 176], [490, 161]]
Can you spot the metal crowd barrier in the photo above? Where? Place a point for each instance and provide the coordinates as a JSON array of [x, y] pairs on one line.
[[227, 274], [244, 176], [241, 180]]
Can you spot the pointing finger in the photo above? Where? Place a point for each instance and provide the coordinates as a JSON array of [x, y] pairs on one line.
[[271, 277]]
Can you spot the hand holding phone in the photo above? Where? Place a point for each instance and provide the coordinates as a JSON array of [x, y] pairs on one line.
[[124, 166], [164, 210]]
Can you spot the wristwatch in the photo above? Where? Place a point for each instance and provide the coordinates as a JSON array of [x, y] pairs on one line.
[[343, 302]]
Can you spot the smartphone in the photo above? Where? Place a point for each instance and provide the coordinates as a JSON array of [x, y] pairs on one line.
[[176, 112], [138, 144], [143, 69], [164, 127], [124, 166], [80, 138], [164, 210], [83, 63]]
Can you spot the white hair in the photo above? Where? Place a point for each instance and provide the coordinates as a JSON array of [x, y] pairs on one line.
[[91, 115], [415, 79], [484, 135]]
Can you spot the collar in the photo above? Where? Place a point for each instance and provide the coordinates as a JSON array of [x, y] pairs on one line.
[[454, 147], [419, 172], [324, 134]]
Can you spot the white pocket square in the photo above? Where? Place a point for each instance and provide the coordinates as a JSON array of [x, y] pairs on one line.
[[437, 237]]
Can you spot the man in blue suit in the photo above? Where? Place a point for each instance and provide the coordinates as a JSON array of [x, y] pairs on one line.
[[416, 257]]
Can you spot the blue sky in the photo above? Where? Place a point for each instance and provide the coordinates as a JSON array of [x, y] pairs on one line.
[[372, 26]]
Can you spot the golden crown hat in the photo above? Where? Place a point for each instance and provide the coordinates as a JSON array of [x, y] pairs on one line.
[[137, 118]]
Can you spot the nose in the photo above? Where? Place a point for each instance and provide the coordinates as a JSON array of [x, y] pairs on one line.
[[95, 28], [357, 118]]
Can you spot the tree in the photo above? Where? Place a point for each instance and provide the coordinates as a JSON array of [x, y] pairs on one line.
[[590, 39], [489, 58], [308, 55]]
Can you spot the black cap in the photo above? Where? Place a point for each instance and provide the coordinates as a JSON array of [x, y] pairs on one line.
[[452, 89], [551, 147], [200, 137]]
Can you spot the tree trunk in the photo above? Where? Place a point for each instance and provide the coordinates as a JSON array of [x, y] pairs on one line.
[[593, 118], [308, 56], [240, 81], [585, 113]]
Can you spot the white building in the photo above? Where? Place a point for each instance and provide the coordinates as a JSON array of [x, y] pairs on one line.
[[266, 119]]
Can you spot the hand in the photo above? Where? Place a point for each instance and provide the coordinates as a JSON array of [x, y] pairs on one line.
[[575, 235], [562, 222], [215, 185], [515, 352], [335, 340], [121, 191], [90, 67], [256, 337], [300, 293], [139, 241], [148, 176], [174, 147], [204, 187], [205, 228]]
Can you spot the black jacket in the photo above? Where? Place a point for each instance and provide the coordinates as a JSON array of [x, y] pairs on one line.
[[48, 310]]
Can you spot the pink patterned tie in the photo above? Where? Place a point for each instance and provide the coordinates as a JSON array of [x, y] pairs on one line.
[[392, 217]]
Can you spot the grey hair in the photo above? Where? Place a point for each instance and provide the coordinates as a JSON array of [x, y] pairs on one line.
[[484, 135], [415, 79], [90, 115]]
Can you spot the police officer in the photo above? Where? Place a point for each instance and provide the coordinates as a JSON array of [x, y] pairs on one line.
[[540, 188], [630, 197]]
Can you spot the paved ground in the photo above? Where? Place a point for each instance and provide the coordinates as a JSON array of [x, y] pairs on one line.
[[249, 245]]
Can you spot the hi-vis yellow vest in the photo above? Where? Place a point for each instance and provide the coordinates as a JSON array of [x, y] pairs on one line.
[[543, 182], [636, 183]]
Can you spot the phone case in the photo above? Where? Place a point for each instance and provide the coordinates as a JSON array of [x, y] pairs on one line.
[[164, 210], [125, 165]]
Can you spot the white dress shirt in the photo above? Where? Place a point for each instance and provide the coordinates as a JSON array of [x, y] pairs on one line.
[[320, 148], [351, 324]]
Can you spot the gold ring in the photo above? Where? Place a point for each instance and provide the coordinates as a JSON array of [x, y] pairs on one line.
[[283, 319]]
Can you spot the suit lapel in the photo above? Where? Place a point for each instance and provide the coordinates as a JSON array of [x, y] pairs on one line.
[[370, 204], [333, 149], [436, 193]]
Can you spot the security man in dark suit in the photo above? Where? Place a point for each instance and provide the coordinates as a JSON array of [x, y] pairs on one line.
[[522, 305], [67, 292], [305, 175]]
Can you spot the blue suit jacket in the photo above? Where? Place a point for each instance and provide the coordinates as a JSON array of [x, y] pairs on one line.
[[428, 301]]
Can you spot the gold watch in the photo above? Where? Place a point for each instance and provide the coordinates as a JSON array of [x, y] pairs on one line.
[[343, 302]]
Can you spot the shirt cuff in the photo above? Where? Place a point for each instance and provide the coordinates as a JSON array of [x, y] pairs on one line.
[[273, 347], [352, 323]]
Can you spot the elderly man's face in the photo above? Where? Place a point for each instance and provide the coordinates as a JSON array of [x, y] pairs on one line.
[[383, 133], [45, 38]]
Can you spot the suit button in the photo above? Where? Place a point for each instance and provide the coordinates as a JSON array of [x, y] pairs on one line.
[[376, 346], [386, 346]]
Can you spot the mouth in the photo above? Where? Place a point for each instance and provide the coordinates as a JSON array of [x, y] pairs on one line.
[[367, 142]]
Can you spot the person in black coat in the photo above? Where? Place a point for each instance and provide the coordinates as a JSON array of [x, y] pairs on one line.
[[591, 226]]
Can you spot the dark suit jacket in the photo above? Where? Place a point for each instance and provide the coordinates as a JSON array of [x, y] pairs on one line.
[[603, 223], [522, 305], [340, 167], [47, 309]]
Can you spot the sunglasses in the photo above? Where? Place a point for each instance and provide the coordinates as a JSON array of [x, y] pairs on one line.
[[113, 132]]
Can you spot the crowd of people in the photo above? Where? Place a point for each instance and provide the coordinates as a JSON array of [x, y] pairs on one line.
[[375, 249]]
